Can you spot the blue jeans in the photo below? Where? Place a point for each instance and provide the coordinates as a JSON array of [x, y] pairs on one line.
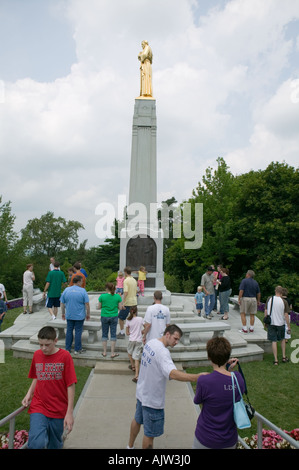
[[109, 322], [223, 298], [72, 325], [209, 303], [45, 433]]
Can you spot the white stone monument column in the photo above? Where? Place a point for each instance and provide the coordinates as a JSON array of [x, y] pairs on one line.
[[141, 242]]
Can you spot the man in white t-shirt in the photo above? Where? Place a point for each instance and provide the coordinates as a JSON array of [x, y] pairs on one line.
[[156, 368], [278, 309], [156, 319]]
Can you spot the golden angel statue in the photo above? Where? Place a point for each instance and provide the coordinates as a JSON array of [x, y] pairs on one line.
[[146, 59]]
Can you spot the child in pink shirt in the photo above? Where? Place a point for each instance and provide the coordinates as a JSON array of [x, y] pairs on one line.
[[120, 283], [134, 326]]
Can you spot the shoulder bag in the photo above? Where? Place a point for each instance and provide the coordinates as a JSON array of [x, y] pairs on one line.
[[240, 414], [267, 318]]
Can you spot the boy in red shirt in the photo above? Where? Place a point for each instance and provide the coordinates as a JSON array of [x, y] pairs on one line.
[[51, 394]]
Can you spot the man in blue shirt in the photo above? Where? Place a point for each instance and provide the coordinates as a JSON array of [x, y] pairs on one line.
[[249, 298], [75, 308]]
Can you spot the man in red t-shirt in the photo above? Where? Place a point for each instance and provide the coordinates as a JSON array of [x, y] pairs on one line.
[[51, 394]]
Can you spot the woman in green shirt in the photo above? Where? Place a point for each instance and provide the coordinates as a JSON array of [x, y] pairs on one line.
[[109, 303]]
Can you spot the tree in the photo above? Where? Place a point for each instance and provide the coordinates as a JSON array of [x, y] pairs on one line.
[[217, 194], [106, 255], [48, 235], [266, 211], [8, 237], [250, 222], [13, 259]]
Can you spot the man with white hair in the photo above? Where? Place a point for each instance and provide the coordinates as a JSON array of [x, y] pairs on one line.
[[249, 299]]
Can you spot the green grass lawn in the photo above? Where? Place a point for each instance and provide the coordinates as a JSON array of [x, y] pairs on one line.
[[272, 390]]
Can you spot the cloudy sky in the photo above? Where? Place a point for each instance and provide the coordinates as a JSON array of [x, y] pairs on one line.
[[225, 79]]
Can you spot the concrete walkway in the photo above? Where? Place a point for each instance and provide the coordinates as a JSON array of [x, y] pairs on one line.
[[107, 406]]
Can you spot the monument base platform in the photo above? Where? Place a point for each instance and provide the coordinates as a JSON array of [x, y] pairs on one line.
[[148, 298]]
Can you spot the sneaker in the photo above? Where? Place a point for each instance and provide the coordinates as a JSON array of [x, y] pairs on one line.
[[81, 351], [53, 317], [244, 330], [121, 336], [251, 330], [209, 317]]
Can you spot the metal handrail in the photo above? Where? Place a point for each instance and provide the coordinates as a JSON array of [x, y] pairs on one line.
[[260, 420], [11, 418]]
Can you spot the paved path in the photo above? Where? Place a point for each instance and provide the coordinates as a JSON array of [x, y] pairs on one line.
[[107, 406]]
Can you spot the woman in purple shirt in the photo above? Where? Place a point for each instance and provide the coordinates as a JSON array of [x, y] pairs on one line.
[[216, 428]]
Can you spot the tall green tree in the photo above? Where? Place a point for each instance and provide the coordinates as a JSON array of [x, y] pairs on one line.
[[217, 194], [250, 221], [49, 235], [267, 210], [13, 259]]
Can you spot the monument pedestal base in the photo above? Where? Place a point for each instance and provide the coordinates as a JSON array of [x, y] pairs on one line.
[[148, 298], [144, 249]]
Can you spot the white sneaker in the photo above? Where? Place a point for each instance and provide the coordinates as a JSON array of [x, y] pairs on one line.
[[53, 317]]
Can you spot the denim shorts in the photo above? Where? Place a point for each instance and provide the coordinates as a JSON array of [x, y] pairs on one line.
[[119, 290], [122, 314], [199, 306], [151, 418]]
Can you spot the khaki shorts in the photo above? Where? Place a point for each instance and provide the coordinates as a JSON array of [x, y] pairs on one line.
[[135, 349], [248, 305]]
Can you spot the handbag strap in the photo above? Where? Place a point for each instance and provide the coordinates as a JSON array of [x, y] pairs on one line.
[[241, 372], [235, 378], [271, 305]]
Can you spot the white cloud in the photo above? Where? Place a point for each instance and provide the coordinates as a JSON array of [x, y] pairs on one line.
[[225, 85]]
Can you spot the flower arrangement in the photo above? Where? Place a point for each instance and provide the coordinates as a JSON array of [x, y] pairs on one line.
[[271, 440], [21, 437]]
